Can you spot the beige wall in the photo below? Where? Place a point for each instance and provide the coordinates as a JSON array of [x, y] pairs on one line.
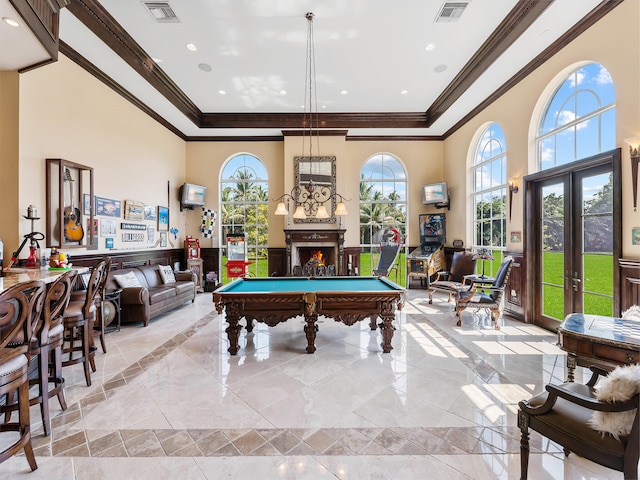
[[9, 113], [517, 113], [422, 159], [67, 113]]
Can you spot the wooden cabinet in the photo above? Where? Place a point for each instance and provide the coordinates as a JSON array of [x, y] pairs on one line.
[[195, 265]]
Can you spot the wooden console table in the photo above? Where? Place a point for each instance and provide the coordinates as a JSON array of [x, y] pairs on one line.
[[605, 342]]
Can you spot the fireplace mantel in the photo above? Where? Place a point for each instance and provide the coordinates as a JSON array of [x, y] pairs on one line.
[[295, 238]]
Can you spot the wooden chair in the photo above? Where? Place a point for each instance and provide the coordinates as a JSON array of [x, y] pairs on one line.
[[561, 414], [79, 318], [46, 347], [489, 297], [451, 281], [99, 299], [20, 308]]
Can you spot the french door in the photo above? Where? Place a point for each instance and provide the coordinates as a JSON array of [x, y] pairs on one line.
[[573, 230]]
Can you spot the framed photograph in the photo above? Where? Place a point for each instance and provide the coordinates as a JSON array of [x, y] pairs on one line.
[[516, 237], [108, 207], [150, 213], [86, 204], [163, 219], [107, 227], [151, 234], [635, 236], [133, 210], [163, 239]]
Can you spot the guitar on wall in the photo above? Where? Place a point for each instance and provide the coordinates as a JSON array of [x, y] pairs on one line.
[[73, 231]]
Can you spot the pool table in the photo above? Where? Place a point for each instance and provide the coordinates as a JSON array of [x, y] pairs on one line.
[[277, 299]]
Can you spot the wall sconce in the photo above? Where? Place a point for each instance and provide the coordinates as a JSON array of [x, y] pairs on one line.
[[513, 188], [634, 153]]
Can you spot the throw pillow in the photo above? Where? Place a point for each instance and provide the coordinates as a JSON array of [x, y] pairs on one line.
[[166, 273], [633, 313], [620, 385], [127, 280]]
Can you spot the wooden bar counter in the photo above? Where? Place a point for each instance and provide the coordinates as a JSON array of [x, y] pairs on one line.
[[15, 276]]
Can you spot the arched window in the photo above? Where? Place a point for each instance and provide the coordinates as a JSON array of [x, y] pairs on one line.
[[383, 206], [579, 120], [489, 192], [244, 196]]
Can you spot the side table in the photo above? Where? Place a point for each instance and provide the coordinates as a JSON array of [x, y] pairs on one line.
[[113, 297]]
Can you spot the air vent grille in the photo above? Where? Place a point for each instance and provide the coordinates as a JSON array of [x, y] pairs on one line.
[[451, 11], [161, 12]]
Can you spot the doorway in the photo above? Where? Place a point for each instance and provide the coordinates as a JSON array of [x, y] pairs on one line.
[[573, 234]]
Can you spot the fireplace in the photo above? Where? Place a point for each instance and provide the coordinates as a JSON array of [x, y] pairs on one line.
[[302, 245]]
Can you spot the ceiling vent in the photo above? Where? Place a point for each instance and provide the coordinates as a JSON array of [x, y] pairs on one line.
[[451, 11], [161, 12]]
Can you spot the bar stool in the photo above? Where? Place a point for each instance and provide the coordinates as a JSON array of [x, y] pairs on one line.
[[20, 308], [46, 347], [79, 317], [99, 328]]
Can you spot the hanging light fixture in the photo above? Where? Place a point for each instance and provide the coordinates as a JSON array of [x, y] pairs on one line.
[[310, 198]]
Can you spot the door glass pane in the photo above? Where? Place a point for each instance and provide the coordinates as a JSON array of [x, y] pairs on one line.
[[552, 254], [597, 235]]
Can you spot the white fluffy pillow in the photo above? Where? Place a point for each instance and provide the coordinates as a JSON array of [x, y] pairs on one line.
[[127, 280], [620, 385], [166, 272], [633, 313]]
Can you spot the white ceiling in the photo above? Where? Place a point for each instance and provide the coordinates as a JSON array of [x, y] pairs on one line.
[[373, 49]]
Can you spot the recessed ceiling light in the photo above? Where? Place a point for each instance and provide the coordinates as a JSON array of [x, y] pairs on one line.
[[222, 92], [404, 92], [205, 67], [344, 92], [283, 92], [191, 46], [440, 68], [429, 47], [10, 21], [324, 106]]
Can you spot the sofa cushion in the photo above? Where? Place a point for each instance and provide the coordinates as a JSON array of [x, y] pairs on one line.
[[166, 273], [183, 287], [159, 294], [127, 280]]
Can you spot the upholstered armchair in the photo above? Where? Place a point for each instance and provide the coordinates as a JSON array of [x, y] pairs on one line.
[[571, 414], [490, 297], [450, 282]]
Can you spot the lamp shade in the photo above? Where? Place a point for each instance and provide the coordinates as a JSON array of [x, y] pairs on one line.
[[299, 213], [281, 209], [341, 209], [322, 212]]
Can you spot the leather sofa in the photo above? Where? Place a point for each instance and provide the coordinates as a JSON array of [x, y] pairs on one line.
[[153, 297]]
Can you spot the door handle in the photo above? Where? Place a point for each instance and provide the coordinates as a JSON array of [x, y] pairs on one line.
[[576, 284]]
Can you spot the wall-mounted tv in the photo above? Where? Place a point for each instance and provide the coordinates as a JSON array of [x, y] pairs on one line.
[[435, 193], [192, 195]]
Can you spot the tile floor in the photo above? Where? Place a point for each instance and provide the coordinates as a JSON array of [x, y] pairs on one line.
[[169, 401]]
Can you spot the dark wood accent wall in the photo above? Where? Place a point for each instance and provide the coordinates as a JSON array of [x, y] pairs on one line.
[[277, 262], [515, 298], [173, 257], [629, 287], [210, 260]]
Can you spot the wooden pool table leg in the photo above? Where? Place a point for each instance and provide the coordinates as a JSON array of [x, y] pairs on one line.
[[233, 333], [310, 329], [311, 317], [387, 329]]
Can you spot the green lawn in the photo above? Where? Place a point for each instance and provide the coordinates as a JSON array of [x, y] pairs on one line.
[[598, 283]]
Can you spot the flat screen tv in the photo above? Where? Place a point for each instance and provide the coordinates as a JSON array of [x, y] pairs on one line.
[[435, 193], [192, 195]]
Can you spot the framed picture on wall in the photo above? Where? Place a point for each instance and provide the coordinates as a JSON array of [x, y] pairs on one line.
[[163, 239], [163, 219]]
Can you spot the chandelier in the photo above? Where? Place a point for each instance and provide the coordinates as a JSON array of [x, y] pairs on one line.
[[310, 197]]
